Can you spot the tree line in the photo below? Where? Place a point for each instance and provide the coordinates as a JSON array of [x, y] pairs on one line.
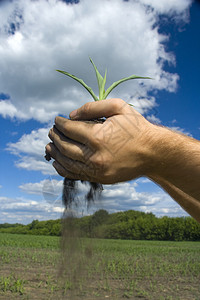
[[130, 225]]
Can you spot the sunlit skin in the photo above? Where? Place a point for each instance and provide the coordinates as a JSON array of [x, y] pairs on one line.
[[126, 146]]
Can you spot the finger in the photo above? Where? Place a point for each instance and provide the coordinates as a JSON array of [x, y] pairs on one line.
[[99, 109], [62, 171], [68, 163], [74, 166], [75, 130], [67, 147], [56, 154]]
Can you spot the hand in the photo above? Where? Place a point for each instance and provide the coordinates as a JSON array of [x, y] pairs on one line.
[[124, 147], [113, 151]]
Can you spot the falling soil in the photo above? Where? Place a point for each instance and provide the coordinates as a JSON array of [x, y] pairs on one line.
[[76, 251], [70, 191]]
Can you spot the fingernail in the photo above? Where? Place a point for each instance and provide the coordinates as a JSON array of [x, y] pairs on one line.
[[73, 114]]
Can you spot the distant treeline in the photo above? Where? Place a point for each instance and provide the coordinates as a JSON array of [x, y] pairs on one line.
[[130, 225]]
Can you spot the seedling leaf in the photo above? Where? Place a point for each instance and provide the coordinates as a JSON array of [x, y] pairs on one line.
[[89, 89], [116, 83], [101, 81], [102, 95]]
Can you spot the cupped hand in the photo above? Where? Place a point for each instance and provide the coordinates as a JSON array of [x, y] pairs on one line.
[[106, 152]]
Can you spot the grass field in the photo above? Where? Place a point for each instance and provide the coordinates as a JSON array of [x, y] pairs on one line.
[[111, 269]]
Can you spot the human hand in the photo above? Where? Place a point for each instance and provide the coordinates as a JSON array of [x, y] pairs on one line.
[[113, 151]]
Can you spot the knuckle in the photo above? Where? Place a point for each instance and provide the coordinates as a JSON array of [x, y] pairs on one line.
[[65, 127], [96, 135], [117, 103], [96, 160], [85, 109], [97, 142], [63, 148], [100, 163]]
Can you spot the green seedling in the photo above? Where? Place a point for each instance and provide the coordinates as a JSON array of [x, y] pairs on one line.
[[103, 94]]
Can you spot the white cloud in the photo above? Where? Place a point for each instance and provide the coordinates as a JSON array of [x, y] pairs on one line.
[[31, 149], [180, 130], [25, 210], [124, 196], [169, 6], [171, 211], [118, 35], [118, 197], [32, 164], [7, 109], [143, 180], [153, 119], [50, 189], [49, 185], [31, 144]]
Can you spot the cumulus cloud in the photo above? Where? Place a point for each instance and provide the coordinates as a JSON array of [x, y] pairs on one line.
[[124, 196], [173, 210], [32, 144], [49, 185], [30, 149], [25, 210], [34, 44], [118, 197], [143, 180], [121, 196], [154, 119], [180, 130], [169, 6], [32, 164], [50, 189]]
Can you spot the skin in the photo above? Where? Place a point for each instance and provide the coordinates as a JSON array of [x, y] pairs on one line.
[[126, 146]]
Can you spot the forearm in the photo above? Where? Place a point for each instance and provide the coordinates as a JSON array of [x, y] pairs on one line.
[[188, 203], [176, 160]]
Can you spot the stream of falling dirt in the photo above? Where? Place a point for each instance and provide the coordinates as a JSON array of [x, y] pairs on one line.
[[77, 252]]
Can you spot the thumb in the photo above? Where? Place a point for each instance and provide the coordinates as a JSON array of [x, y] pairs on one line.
[[98, 109]]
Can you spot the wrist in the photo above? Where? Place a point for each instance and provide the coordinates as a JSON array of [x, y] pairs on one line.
[[168, 151], [162, 149]]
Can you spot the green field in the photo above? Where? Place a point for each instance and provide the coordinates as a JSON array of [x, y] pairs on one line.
[[111, 269]]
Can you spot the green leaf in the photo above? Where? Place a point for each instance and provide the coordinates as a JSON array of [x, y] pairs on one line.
[[89, 89], [102, 96], [101, 81], [122, 80]]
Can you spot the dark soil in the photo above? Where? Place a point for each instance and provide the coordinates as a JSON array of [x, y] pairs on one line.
[[70, 191], [76, 253]]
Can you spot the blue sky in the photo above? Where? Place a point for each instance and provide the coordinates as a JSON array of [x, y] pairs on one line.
[[185, 103], [154, 38]]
